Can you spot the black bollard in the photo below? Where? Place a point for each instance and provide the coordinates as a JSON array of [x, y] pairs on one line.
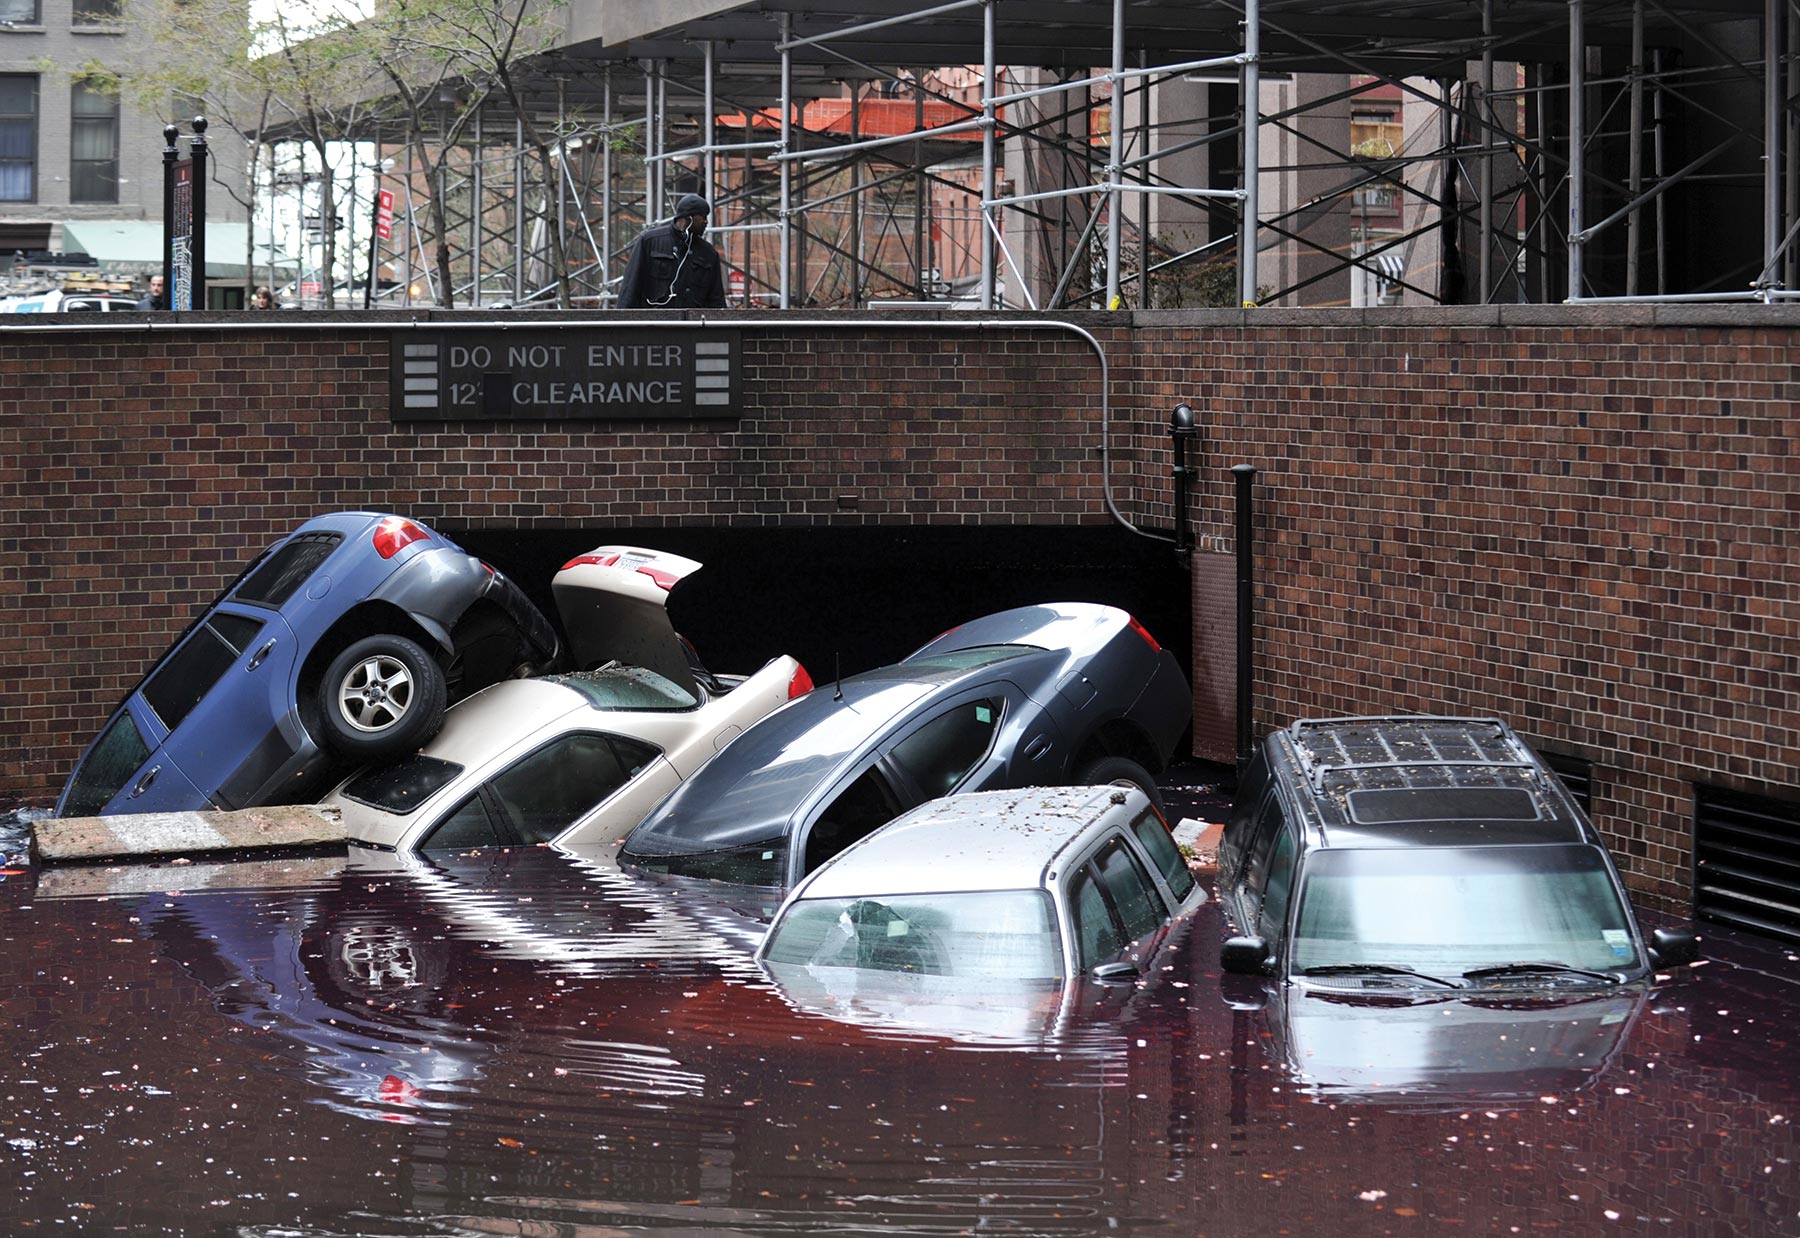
[[1244, 475]]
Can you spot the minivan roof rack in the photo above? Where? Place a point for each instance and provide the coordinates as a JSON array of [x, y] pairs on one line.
[[1513, 754]]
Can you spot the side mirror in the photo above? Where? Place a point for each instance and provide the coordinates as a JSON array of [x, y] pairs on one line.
[[1118, 972], [1674, 947], [1245, 956]]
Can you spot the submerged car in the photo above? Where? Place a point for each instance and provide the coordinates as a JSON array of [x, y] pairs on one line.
[[1042, 695], [972, 913], [1398, 853], [574, 758], [341, 643]]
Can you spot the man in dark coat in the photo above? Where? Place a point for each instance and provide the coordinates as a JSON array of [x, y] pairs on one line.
[[672, 266], [155, 299]]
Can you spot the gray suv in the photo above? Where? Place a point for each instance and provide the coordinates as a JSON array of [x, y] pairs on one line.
[[1401, 853]]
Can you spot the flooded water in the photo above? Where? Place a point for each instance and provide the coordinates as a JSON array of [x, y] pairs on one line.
[[529, 1043]]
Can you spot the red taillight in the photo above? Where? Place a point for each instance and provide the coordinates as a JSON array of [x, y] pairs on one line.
[[664, 580], [396, 533], [800, 684], [1144, 632], [596, 560]]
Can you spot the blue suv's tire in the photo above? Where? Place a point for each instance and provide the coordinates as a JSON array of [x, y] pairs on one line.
[[381, 698]]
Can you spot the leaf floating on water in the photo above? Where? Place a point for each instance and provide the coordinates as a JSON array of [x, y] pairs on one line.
[[510, 1143]]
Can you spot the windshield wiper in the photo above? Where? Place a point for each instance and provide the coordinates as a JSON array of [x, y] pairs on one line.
[[1536, 969], [1375, 969]]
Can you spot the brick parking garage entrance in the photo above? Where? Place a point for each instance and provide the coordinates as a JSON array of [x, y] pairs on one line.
[[1581, 520]]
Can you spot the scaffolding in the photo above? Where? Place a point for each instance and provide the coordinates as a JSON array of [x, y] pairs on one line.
[[1059, 156]]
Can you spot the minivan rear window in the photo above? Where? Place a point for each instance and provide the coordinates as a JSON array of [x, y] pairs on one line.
[[287, 568], [116, 755]]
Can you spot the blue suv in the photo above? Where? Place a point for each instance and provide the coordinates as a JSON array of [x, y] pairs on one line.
[[340, 644]]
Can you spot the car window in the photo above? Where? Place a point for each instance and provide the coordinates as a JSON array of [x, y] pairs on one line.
[[548, 791], [1273, 919], [286, 569], [994, 934], [188, 675], [116, 755], [1097, 936], [1269, 823], [1446, 910], [1154, 835], [403, 785], [1128, 888], [940, 754], [469, 826], [973, 656], [863, 807]]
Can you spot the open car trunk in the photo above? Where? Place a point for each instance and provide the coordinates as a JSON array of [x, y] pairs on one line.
[[613, 603]]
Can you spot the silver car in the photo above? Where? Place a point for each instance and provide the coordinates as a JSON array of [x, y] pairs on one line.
[[989, 894]]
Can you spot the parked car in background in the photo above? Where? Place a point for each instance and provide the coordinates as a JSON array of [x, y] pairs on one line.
[[341, 643], [1041, 695], [984, 911], [1398, 853], [576, 758]]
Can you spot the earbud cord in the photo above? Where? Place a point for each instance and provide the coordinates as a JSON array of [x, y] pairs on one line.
[[675, 278]]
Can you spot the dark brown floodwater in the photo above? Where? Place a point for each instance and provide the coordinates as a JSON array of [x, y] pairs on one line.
[[530, 1044]]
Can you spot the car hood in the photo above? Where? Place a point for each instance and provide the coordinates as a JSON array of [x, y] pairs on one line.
[[1449, 1049], [613, 602]]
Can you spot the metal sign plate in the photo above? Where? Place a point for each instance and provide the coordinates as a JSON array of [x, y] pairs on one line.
[[639, 374]]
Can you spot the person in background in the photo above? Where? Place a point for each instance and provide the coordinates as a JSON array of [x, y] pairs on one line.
[[263, 299], [155, 299], [672, 266]]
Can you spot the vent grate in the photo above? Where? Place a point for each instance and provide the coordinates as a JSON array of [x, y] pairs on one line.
[[1747, 861]]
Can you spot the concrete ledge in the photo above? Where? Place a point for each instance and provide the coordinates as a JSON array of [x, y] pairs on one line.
[[184, 833]]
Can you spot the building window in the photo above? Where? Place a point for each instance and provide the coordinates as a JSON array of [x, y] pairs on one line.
[[93, 145], [18, 12], [18, 137], [95, 12]]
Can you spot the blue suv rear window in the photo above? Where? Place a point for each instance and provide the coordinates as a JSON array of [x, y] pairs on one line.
[[287, 568]]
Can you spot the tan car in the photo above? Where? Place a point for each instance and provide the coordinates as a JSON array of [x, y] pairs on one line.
[[575, 758]]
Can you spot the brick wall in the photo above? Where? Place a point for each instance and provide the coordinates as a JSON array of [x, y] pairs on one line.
[[1581, 522], [1584, 523]]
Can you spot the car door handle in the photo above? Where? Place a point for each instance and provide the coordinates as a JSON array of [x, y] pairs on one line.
[[256, 659], [143, 784], [1037, 747]]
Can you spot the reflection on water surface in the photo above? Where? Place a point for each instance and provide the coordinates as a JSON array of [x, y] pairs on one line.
[[529, 1043]]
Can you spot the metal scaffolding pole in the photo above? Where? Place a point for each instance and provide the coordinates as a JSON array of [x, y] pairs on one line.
[[1144, 202], [518, 293], [1114, 154], [856, 201], [1773, 14], [1577, 141], [606, 182], [1488, 122], [1634, 229], [989, 80], [476, 180], [1251, 173], [787, 173], [652, 165], [706, 128]]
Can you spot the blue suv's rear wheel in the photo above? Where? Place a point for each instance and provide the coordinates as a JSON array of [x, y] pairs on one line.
[[382, 697]]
